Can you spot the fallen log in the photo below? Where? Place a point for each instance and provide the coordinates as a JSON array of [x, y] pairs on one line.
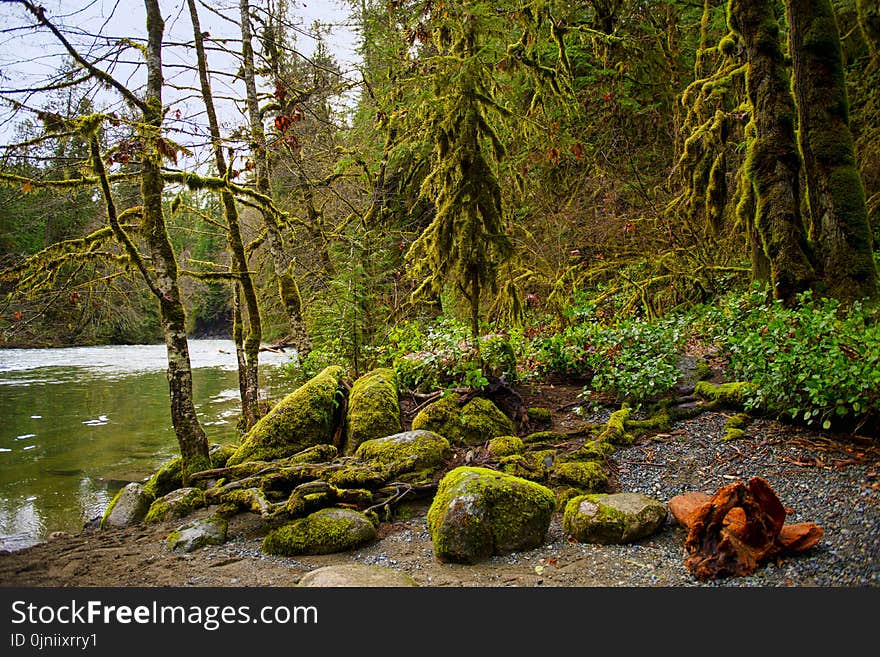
[[740, 526]]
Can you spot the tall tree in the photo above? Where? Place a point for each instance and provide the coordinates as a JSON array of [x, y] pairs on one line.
[[839, 225], [467, 240], [288, 289], [772, 165], [159, 265], [250, 345]]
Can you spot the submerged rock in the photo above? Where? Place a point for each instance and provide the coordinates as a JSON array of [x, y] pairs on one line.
[[478, 512], [197, 534], [306, 417], [356, 575], [322, 532], [613, 518], [373, 408]]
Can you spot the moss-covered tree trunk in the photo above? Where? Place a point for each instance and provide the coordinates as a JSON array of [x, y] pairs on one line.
[[772, 163], [190, 434], [288, 289], [839, 225], [869, 23], [249, 383]]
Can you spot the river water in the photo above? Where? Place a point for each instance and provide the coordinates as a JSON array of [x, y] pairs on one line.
[[77, 424]]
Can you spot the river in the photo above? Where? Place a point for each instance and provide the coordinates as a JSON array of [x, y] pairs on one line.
[[78, 423]]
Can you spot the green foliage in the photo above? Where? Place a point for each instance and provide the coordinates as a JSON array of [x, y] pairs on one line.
[[632, 360], [443, 355], [816, 362]]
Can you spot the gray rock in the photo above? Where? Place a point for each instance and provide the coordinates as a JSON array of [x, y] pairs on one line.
[[197, 534], [356, 575], [613, 518], [128, 507]]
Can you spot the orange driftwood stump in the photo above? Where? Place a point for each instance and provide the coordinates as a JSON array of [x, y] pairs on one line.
[[737, 528]]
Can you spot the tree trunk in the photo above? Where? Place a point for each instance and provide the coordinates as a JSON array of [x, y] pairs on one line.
[[251, 345], [839, 225], [190, 435], [288, 289], [772, 164]]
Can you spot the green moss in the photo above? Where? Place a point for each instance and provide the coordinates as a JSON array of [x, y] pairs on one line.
[[703, 370], [176, 504], [549, 437], [505, 446], [219, 454], [534, 465], [725, 393], [476, 422], [660, 421], [733, 434], [373, 408], [406, 452], [306, 417], [324, 532], [356, 475], [592, 450], [540, 416], [566, 493], [591, 476], [614, 431], [167, 478], [478, 512], [314, 454]]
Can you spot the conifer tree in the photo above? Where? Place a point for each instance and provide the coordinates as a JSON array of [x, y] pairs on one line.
[[466, 241]]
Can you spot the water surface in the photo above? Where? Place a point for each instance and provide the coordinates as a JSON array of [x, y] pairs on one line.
[[77, 424]]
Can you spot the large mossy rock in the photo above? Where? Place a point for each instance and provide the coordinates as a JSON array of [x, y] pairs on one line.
[[308, 416], [322, 532], [613, 518], [410, 451], [373, 408], [176, 504], [129, 506], [478, 512], [472, 424]]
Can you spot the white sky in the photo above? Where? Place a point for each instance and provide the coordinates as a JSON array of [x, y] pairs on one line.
[[27, 56]]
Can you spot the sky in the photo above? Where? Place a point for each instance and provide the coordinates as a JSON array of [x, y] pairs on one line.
[[27, 56]]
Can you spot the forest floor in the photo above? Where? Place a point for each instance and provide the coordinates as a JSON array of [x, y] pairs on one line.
[[831, 480]]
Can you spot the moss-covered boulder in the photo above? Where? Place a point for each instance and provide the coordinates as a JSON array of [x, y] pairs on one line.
[[197, 534], [474, 423], [128, 507], [409, 451], [308, 416], [373, 408], [176, 504], [613, 518], [505, 446], [322, 532], [479, 512], [167, 478], [589, 476]]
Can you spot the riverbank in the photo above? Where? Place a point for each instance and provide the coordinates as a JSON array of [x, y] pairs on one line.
[[831, 480]]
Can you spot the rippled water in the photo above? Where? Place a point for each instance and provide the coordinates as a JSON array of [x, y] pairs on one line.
[[76, 424]]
